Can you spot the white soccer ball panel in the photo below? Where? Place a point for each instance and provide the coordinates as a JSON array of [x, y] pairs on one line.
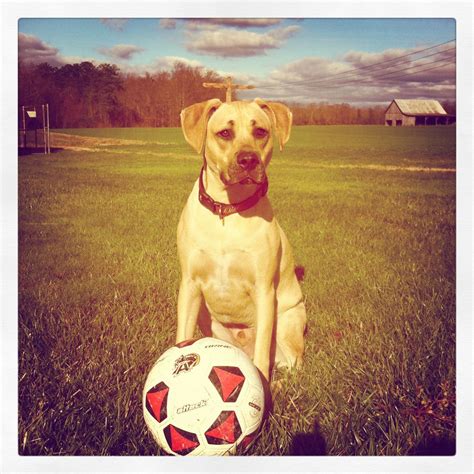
[[251, 410], [191, 406]]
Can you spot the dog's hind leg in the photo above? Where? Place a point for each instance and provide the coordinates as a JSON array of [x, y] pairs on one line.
[[290, 328]]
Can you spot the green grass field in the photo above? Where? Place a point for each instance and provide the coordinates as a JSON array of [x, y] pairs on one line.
[[370, 213]]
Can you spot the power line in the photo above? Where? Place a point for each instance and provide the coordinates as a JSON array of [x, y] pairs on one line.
[[391, 75], [369, 81], [353, 71], [447, 61], [374, 75], [416, 65], [421, 70]]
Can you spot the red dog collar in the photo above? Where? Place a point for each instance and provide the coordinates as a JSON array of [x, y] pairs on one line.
[[221, 209]]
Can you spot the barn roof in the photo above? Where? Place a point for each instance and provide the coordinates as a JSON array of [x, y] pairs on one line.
[[420, 107]]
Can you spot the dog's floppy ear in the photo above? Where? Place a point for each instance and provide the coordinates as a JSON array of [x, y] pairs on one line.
[[194, 122], [281, 118]]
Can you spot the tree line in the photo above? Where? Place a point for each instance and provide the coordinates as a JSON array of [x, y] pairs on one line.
[[87, 95], [337, 114]]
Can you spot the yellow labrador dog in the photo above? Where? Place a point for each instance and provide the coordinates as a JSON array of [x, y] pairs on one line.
[[238, 277]]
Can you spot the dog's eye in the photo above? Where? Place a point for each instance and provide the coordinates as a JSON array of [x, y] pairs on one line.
[[260, 133], [226, 134]]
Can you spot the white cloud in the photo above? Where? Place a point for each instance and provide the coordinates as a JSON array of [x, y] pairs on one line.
[[167, 23], [235, 22], [120, 52], [32, 49], [167, 62], [117, 24], [232, 42], [310, 68], [159, 64]]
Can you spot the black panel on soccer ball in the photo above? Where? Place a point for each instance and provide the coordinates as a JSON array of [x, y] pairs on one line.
[[228, 381], [225, 429]]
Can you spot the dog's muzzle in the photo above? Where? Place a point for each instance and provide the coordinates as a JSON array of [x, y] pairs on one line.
[[248, 160], [247, 168]]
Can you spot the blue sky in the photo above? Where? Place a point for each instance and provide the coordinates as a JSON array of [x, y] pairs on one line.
[[272, 52]]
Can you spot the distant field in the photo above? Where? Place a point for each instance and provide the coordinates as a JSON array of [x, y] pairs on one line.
[[414, 146], [370, 213]]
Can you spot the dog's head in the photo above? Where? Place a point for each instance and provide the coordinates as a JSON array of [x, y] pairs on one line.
[[236, 137]]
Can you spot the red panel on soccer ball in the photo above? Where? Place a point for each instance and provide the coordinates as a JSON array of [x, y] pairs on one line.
[[156, 401], [180, 441], [228, 382], [225, 430]]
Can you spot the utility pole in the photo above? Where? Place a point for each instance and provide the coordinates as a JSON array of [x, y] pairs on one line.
[[228, 85]]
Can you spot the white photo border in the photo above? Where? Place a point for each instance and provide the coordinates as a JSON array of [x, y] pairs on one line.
[[461, 11]]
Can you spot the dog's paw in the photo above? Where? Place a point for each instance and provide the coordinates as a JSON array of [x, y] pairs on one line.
[[276, 386], [279, 377]]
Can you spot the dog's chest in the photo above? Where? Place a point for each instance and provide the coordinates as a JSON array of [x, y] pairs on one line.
[[224, 270], [227, 281]]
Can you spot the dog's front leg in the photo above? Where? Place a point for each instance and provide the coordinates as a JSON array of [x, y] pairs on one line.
[[189, 302], [265, 306]]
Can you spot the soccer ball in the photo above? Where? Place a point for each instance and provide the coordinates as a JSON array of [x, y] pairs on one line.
[[203, 398]]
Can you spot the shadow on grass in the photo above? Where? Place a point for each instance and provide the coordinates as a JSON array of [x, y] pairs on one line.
[[308, 444], [435, 446], [36, 150]]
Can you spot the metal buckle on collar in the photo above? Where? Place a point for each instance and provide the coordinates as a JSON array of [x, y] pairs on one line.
[[219, 210]]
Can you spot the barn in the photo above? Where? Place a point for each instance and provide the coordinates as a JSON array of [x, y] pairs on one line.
[[409, 112]]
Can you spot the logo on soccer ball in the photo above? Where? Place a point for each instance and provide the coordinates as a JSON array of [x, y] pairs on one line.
[[191, 406], [256, 408], [185, 363]]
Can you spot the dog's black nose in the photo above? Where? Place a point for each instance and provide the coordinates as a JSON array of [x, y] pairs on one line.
[[247, 160]]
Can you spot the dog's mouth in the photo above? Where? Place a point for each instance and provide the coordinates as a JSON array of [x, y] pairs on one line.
[[237, 176], [246, 180]]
